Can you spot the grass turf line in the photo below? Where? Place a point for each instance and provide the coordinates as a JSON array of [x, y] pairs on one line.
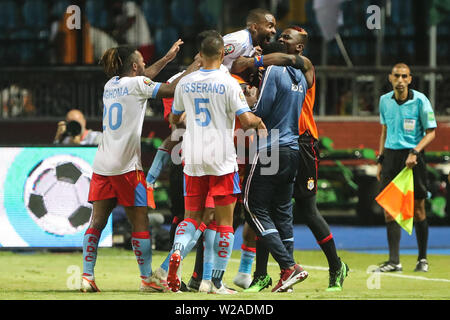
[[44, 276]]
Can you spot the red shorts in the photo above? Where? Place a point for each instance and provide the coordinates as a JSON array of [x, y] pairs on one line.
[[209, 202], [129, 188], [241, 172], [199, 191]]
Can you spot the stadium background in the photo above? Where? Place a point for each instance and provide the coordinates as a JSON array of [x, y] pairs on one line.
[[47, 69]]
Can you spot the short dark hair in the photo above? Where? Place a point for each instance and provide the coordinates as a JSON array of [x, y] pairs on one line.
[[203, 35], [401, 65], [256, 15], [212, 46]]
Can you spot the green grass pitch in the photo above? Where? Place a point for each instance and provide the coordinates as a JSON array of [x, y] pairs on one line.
[[52, 276]]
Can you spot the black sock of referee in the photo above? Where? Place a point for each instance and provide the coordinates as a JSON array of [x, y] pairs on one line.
[[393, 236], [422, 238], [262, 258], [307, 208]]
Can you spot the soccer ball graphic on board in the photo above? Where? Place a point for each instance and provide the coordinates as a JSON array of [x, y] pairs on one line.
[[56, 194]]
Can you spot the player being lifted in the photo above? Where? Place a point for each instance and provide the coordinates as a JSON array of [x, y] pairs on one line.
[[260, 28], [245, 43], [118, 177], [211, 99]]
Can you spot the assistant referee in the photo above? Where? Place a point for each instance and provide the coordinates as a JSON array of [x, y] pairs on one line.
[[407, 127]]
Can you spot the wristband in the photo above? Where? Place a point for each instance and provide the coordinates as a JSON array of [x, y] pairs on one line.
[[414, 152], [258, 61], [380, 158], [299, 63]]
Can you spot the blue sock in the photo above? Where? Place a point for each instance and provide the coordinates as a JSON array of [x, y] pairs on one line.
[[247, 256], [142, 248], [184, 234], [223, 247], [194, 239], [208, 255], [159, 162], [90, 245], [165, 264]]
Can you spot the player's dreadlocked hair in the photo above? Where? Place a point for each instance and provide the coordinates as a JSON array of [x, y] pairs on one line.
[[118, 60]]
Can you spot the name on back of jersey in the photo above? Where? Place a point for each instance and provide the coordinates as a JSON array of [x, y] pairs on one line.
[[115, 93], [200, 87]]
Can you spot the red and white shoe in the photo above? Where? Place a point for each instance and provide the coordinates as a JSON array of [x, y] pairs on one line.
[[152, 284], [222, 290], [173, 281], [88, 285], [290, 277], [160, 277]]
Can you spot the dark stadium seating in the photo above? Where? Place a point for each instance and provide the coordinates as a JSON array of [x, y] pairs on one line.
[[164, 38], [35, 14], [155, 12], [96, 13], [8, 14], [182, 13]]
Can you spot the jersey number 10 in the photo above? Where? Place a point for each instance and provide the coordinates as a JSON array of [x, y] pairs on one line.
[[114, 113]]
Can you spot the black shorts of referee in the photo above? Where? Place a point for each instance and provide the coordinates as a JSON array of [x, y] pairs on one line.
[[394, 162]]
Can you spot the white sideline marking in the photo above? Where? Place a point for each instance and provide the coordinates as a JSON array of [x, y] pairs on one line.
[[384, 274], [414, 277]]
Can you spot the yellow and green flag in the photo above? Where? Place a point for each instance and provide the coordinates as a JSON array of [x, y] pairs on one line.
[[398, 199]]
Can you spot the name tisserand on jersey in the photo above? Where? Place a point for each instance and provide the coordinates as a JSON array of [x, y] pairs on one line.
[[199, 87]]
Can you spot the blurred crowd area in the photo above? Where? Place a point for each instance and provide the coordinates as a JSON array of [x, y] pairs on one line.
[[33, 32], [36, 45]]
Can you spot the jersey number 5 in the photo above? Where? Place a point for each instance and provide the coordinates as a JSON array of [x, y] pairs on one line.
[[199, 111], [114, 113]]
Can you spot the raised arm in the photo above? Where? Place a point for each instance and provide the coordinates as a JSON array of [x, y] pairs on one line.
[[152, 71], [167, 90]]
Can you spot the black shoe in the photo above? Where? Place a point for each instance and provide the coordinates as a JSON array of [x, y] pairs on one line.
[[193, 284], [389, 267], [421, 266], [183, 287]]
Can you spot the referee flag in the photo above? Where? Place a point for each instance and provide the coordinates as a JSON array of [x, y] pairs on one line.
[[398, 199]]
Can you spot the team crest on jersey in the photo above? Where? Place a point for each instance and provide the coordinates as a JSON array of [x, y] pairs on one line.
[[229, 48], [242, 97], [148, 82], [310, 184]]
